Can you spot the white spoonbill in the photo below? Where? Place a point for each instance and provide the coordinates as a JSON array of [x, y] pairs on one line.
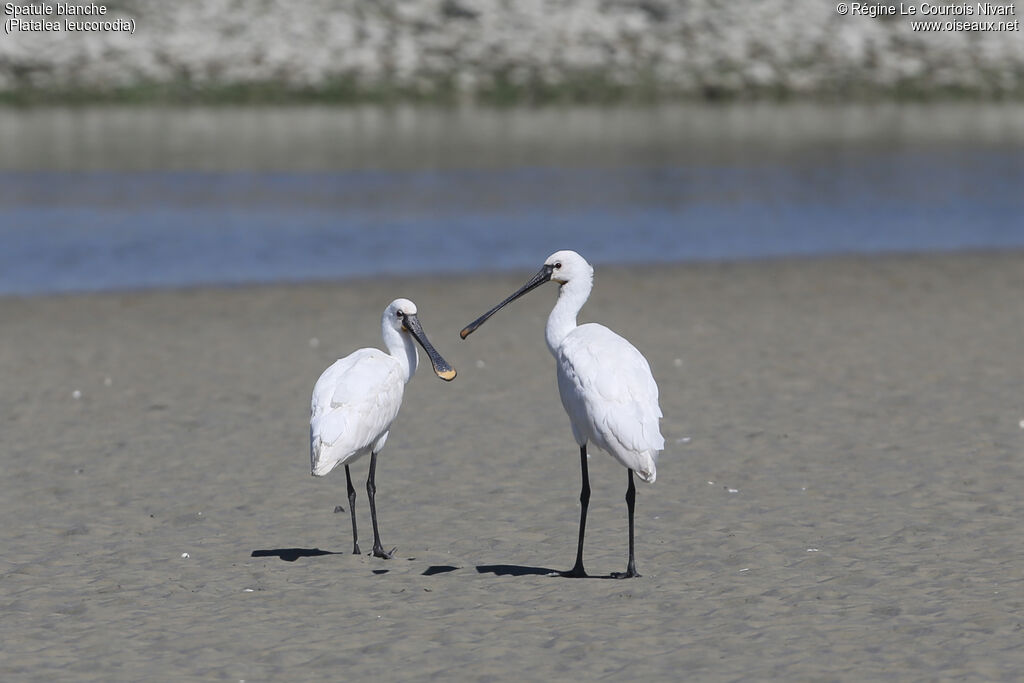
[[358, 397], [605, 384]]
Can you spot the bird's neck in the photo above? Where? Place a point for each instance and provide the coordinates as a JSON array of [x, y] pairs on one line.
[[403, 349], [562, 321]]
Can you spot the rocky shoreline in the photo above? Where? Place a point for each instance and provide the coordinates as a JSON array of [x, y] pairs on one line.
[[497, 51]]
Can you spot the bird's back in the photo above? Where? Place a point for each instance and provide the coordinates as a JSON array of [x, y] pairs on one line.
[[611, 397], [354, 403]]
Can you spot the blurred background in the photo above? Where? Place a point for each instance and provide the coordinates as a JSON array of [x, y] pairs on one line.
[[228, 142]]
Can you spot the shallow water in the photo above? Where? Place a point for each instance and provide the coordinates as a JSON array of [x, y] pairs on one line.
[[115, 198]]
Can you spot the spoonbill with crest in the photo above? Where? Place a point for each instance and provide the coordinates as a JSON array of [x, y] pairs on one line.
[[358, 397], [606, 387]]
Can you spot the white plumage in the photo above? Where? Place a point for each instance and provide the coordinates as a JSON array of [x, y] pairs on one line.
[[606, 385], [354, 403], [610, 395], [358, 397]]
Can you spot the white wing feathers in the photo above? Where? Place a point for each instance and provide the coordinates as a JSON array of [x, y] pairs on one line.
[[354, 403], [611, 396]]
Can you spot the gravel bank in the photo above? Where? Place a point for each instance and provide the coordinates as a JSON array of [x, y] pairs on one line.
[[494, 50]]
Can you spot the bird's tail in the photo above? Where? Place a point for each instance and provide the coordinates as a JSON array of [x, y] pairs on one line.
[[314, 459], [648, 467], [314, 450], [319, 462]]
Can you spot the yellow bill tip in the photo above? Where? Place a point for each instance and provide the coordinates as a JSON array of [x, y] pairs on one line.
[[447, 375]]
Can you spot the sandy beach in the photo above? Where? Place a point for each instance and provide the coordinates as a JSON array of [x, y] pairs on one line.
[[839, 499]]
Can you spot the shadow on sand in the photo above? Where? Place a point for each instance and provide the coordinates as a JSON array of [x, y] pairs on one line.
[[438, 569], [520, 570], [291, 554]]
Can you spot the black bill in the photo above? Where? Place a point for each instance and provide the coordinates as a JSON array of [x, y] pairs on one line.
[[544, 275], [441, 367]]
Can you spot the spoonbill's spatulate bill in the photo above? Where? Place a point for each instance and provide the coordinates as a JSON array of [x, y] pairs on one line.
[[358, 397], [606, 386]]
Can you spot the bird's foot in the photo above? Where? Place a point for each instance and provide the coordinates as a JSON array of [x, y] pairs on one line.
[[576, 572], [628, 574], [378, 551], [356, 550]]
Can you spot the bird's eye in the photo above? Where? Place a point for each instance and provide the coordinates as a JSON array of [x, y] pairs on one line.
[[399, 314], [558, 265]]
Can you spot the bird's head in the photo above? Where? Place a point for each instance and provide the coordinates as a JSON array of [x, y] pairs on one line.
[[568, 266], [562, 267], [397, 312], [401, 315]]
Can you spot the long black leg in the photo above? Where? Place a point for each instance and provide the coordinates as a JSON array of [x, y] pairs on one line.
[[577, 571], [352, 508], [630, 501], [371, 489]]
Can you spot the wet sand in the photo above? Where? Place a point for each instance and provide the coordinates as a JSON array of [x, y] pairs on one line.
[[839, 498]]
